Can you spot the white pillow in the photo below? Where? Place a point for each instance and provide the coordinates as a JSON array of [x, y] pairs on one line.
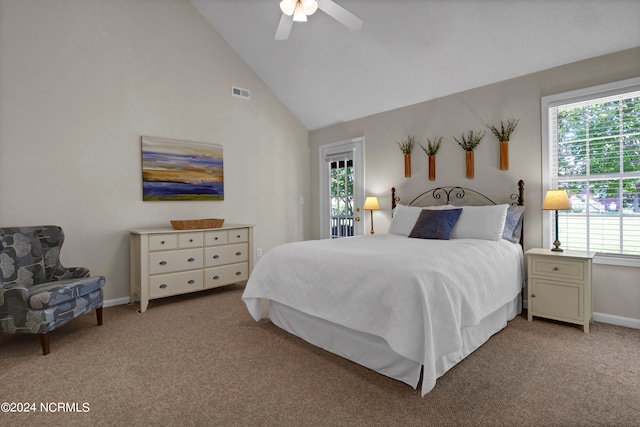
[[405, 217], [480, 222]]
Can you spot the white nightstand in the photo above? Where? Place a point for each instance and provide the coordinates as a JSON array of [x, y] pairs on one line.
[[559, 285]]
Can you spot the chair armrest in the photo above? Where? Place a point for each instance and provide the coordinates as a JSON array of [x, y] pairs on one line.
[[62, 273], [12, 296]]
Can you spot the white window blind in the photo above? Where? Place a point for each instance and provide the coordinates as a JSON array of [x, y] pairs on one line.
[[594, 154]]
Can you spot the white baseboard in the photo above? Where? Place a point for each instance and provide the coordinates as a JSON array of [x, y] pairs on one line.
[[117, 301], [616, 320], [608, 318]]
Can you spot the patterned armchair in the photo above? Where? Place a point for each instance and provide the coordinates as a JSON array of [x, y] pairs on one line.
[[38, 294]]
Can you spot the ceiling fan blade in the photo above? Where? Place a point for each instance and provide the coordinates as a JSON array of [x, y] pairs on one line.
[[340, 14], [284, 27]]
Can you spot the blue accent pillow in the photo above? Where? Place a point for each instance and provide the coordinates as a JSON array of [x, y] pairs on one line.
[[435, 224], [513, 225]]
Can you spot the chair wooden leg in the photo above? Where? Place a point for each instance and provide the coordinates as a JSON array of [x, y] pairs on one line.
[[44, 342], [99, 315]]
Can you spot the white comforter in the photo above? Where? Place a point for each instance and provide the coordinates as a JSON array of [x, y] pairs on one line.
[[416, 294]]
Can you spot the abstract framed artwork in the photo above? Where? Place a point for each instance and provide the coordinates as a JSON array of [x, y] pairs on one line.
[[181, 170]]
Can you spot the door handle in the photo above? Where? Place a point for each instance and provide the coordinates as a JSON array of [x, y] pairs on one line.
[[357, 219]]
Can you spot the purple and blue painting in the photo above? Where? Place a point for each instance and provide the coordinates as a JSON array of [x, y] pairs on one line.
[[181, 170]]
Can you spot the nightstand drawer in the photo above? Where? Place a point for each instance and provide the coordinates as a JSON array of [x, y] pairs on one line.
[[560, 269]]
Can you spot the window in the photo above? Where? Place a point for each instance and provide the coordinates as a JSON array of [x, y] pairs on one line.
[[592, 149]]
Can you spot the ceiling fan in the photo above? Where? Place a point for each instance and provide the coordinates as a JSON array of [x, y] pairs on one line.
[[298, 10]]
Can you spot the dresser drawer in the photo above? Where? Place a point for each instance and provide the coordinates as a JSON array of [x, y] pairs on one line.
[[175, 283], [171, 261], [163, 242], [190, 240], [239, 235], [227, 274], [560, 269], [212, 238], [230, 254]]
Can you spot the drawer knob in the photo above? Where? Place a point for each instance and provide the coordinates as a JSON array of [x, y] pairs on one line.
[[238, 236], [238, 273], [238, 253], [216, 277], [191, 259], [555, 268], [162, 243], [190, 240], [163, 263], [164, 285], [216, 256], [533, 295], [191, 282], [215, 238]]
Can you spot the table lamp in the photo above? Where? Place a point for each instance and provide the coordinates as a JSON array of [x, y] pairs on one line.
[[556, 200], [371, 204]]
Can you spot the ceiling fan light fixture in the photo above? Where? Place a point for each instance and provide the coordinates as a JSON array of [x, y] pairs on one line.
[[298, 14], [309, 6], [288, 6]]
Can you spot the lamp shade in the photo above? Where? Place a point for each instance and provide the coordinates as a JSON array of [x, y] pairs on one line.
[[371, 203], [288, 6], [556, 200]]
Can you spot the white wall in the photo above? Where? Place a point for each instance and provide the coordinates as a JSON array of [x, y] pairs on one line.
[[473, 110], [82, 80]]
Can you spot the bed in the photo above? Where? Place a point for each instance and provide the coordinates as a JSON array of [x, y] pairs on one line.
[[409, 303]]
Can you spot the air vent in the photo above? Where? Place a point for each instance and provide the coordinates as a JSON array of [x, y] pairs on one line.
[[240, 92]]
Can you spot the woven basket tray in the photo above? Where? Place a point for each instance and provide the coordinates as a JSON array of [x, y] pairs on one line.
[[193, 224]]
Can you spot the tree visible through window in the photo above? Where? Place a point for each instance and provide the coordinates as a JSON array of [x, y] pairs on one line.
[[595, 156], [342, 198]]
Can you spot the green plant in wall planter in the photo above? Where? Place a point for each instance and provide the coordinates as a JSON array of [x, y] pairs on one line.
[[469, 142], [406, 146], [431, 150], [503, 135]]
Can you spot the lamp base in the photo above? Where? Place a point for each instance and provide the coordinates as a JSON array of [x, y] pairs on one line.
[[557, 247]]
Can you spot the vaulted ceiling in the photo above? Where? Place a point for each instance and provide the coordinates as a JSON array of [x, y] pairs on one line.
[[411, 51]]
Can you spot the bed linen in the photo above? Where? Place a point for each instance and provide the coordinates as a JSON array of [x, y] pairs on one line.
[[417, 295]]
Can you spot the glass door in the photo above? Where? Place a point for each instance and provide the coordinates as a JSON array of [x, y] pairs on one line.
[[341, 183]]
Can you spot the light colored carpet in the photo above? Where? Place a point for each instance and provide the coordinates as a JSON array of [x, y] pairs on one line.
[[200, 360]]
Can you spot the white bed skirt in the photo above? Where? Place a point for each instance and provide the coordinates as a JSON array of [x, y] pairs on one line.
[[374, 353]]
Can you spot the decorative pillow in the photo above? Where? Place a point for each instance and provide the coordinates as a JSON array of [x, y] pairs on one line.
[[404, 218], [435, 223], [513, 224], [481, 222]]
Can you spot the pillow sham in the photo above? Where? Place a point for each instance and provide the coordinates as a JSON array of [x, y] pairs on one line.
[[513, 223], [405, 217], [480, 222], [435, 223]]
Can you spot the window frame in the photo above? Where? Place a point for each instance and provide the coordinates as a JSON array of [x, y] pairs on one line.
[[569, 97]]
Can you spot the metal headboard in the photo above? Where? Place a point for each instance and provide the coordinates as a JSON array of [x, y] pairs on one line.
[[459, 196], [456, 195]]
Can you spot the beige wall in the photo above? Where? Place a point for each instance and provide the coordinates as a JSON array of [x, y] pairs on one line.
[[473, 110], [82, 80]]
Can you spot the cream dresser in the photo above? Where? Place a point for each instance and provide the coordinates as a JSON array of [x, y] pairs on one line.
[[559, 286], [165, 262]]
